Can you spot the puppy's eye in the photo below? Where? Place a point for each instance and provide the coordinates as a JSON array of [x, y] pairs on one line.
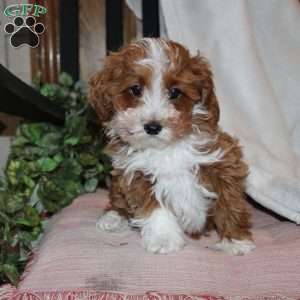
[[174, 93], [136, 90]]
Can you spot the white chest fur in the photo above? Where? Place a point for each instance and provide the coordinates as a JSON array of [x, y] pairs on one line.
[[175, 185]]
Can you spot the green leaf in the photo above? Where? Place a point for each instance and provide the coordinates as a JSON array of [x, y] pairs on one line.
[[33, 169], [29, 235], [86, 139], [51, 139], [71, 169], [31, 217], [29, 152], [33, 132], [19, 141], [62, 94], [90, 185], [76, 129], [81, 87], [29, 182], [4, 218], [11, 272], [58, 158], [72, 141], [89, 173], [87, 159], [3, 183], [12, 171], [73, 189], [34, 198], [24, 254], [3, 197], [59, 191], [65, 79], [48, 164], [7, 233], [100, 168], [14, 202], [49, 90]]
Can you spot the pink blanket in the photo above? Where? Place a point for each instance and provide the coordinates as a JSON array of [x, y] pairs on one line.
[[76, 261]]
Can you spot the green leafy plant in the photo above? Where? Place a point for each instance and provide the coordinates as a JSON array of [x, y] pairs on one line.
[[48, 167]]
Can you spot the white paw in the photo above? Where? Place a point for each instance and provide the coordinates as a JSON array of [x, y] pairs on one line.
[[234, 247], [161, 233], [162, 243], [111, 221]]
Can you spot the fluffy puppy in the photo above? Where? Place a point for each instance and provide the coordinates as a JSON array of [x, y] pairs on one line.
[[175, 171]]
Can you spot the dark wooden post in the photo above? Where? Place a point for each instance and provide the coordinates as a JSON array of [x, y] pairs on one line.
[[114, 24], [69, 37], [150, 10]]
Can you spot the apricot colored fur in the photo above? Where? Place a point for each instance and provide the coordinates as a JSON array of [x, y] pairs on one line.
[[226, 178]]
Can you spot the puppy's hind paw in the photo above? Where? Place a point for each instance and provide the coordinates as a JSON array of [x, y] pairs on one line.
[[234, 247], [111, 221]]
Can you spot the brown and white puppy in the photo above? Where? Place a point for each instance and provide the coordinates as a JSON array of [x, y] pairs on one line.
[[175, 170]]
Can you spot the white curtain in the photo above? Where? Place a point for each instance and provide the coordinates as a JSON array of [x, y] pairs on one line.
[[254, 49]]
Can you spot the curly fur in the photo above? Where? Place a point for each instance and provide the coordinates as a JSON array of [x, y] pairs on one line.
[[192, 172]]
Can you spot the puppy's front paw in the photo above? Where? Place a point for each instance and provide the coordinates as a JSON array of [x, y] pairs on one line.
[[111, 221], [234, 247], [161, 232], [163, 243]]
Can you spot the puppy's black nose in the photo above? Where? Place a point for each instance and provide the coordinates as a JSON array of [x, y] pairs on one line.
[[152, 128]]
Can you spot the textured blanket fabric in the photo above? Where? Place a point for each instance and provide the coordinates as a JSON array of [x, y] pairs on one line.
[[75, 256], [254, 48]]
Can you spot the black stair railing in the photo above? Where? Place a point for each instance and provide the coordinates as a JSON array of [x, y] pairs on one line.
[[150, 13], [69, 37], [18, 98]]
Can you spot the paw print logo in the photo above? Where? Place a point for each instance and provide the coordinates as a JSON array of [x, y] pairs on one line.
[[24, 31]]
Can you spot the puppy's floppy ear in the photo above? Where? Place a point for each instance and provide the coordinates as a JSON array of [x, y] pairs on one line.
[[98, 97], [103, 86], [204, 81]]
